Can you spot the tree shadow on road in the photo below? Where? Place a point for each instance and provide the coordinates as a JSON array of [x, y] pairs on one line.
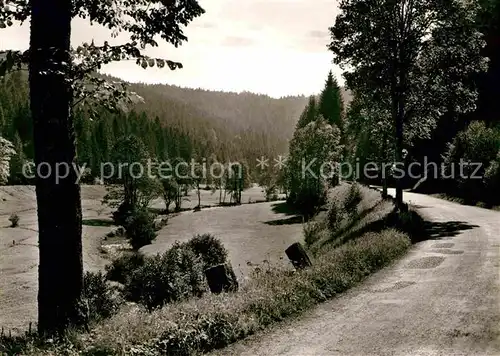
[[298, 219], [284, 208], [439, 230], [97, 222]]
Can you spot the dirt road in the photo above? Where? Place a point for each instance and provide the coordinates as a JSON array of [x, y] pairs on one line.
[[443, 298]]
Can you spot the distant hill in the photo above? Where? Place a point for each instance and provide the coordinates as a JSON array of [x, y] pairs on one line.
[[229, 125]]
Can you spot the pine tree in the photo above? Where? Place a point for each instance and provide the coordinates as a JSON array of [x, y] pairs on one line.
[[309, 114], [331, 105]]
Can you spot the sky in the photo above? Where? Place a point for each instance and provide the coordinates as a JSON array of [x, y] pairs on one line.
[[274, 47]]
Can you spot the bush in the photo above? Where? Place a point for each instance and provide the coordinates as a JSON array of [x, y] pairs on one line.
[[100, 298], [492, 179], [122, 267], [309, 199], [173, 276], [140, 228], [216, 321], [14, 220], [352, 200], [312, 232], [334, 217], [209, 248], [478, 144], [121, 215], [407, 221]]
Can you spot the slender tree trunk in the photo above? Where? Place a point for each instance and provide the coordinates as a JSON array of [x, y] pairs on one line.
[[399, 139], [384, 169], [59, 206]]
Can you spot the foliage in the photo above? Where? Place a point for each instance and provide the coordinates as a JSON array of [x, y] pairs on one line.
[[331, 104], [140, 228], [6, 152], [311, 231], [170, 191], [139, 19], [477, 144], [209, 248], [215, 321], [173, 276], [14, 220], [335, 216], [492, 180], [353, 199], [100, 298], [408, 221], [413, 60], [309, 114], [122, 267], [313, 148], [121, 215]]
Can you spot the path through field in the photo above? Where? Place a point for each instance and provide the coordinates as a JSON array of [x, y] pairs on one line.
[[443, 298]]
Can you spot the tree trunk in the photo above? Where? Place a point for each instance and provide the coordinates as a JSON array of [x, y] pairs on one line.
[[58, 200], [399, 135]]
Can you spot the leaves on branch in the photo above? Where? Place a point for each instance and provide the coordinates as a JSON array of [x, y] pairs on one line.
[[143, 20]]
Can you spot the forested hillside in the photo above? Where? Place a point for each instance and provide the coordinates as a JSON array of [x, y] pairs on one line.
[[172, 121]]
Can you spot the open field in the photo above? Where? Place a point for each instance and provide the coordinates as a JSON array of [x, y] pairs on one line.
[[243, 230]]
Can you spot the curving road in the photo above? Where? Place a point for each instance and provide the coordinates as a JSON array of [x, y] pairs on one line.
[[443, 298]]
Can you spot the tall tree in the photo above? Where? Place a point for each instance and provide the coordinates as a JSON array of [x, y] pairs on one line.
[[389, 48], [309, 114], [56, 84], [331, 104]]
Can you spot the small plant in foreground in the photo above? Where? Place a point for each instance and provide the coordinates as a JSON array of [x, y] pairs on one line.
[[14, 220]]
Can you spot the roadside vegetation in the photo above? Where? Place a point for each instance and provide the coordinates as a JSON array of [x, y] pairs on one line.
[[145, 316]]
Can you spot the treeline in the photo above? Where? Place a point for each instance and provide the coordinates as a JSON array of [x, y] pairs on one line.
[[435, 99], [172, 122]]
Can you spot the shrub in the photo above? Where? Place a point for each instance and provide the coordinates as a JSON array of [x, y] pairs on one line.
[[14, 220], [122, 267], [407, 221], [352, 200], [334, 217], [312, 232], [121, 215], [209, 248], [140, 228], [215, 321], [478, 144], [173, 276], [309, 199], [99, 296], [492, 179]]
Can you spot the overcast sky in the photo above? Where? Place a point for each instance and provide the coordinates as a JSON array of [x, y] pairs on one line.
[[276, 47]]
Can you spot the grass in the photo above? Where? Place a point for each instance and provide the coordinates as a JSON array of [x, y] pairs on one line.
[[272, 294], [214, 321]]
